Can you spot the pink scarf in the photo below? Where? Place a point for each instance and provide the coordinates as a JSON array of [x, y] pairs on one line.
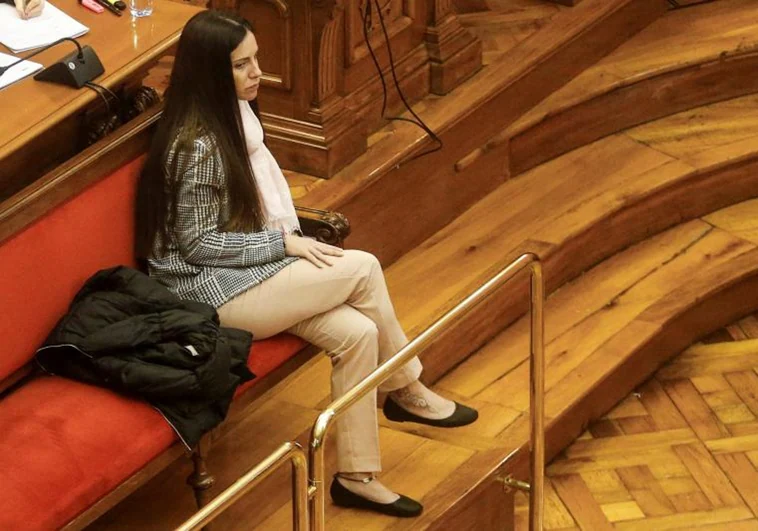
[[273, 189]]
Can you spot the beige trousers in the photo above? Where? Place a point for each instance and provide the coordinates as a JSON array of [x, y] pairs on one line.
[[346, 310]]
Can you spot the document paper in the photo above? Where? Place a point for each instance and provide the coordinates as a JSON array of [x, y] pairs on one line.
[[21, 35], [17, 72]]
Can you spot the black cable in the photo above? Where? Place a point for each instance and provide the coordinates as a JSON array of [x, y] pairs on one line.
[[418, 121], [106, 89], [94, 87], [397, 83], [366, 24], [102, 91]]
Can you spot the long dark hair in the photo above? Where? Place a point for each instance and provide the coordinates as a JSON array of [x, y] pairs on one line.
[[200, 101]]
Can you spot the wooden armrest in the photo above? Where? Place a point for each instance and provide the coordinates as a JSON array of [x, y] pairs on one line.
[[325, 226]]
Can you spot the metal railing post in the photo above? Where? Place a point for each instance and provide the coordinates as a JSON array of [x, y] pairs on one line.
[[537, 397], [317, 483], [317, 488]]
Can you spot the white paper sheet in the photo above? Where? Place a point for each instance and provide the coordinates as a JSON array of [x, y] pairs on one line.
[[15, 73], [20, 35]]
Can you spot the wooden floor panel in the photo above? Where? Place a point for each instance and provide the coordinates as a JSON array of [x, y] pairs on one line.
[[667, 457], [680, 38], [502, 24], [683, 60], [586, 184], [577, 327], [703, 135]]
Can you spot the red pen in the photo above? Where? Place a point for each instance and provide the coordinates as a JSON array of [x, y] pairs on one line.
[[92, 6]]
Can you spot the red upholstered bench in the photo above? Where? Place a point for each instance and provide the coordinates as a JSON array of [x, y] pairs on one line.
[[70, 451]]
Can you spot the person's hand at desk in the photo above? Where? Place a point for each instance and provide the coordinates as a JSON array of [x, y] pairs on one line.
[[27, 8]]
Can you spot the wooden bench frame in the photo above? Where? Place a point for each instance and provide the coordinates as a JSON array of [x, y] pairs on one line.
[[70, 179]]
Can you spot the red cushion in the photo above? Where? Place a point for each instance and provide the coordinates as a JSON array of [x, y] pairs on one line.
[[267, 354], [64, 444], [43, 266]]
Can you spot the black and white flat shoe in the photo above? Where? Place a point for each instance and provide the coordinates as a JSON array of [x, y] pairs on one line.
[[403, 507], [462, 415]]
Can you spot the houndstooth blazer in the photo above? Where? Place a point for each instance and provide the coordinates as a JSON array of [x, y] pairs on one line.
[[201, 262]]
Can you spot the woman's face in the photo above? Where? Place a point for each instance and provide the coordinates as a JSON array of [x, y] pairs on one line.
[[247, 74]]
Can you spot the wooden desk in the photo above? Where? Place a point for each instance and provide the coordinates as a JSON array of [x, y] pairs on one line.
[[41, 123]]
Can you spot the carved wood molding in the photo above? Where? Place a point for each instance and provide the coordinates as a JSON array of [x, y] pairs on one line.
[[456, 53], [326, 226], [442, 8], [98, 125], [328, 36], [283, 81], [397, 14], [329, 66]]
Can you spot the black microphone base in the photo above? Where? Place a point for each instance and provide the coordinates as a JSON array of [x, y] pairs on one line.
[[73, 70]]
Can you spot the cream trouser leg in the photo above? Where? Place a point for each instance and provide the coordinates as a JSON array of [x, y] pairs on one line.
[[346, 310]]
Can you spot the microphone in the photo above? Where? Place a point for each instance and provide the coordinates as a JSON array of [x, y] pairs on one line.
[[74, 70]]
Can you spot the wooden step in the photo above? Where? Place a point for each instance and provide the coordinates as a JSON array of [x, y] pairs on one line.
[[685, 59], [608, 331], [501, 25], [416, 463], [444, 183], [574, 211]]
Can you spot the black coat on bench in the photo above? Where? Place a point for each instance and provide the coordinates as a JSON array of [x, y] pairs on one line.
[[127, 332]]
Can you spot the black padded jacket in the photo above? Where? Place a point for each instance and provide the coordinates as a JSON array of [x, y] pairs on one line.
[[127, 332]]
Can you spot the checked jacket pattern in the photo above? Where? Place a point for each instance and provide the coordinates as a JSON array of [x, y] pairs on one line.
[[202, 262]]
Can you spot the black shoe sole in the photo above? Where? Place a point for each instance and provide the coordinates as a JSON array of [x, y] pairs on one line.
[[403, 507], [462, 416]]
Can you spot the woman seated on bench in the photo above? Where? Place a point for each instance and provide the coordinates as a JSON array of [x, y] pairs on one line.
[[216, 221]]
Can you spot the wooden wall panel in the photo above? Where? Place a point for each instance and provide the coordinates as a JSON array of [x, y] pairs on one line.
[[272, 21], [315, 60]]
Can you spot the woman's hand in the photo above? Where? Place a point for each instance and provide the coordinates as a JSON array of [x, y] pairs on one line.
[[29, 8], [317, 253]]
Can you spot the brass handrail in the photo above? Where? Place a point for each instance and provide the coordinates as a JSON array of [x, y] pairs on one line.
[[386, 369], [289, 451]]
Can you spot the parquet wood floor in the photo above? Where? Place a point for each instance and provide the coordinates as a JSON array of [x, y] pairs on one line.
[[681, 452]]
